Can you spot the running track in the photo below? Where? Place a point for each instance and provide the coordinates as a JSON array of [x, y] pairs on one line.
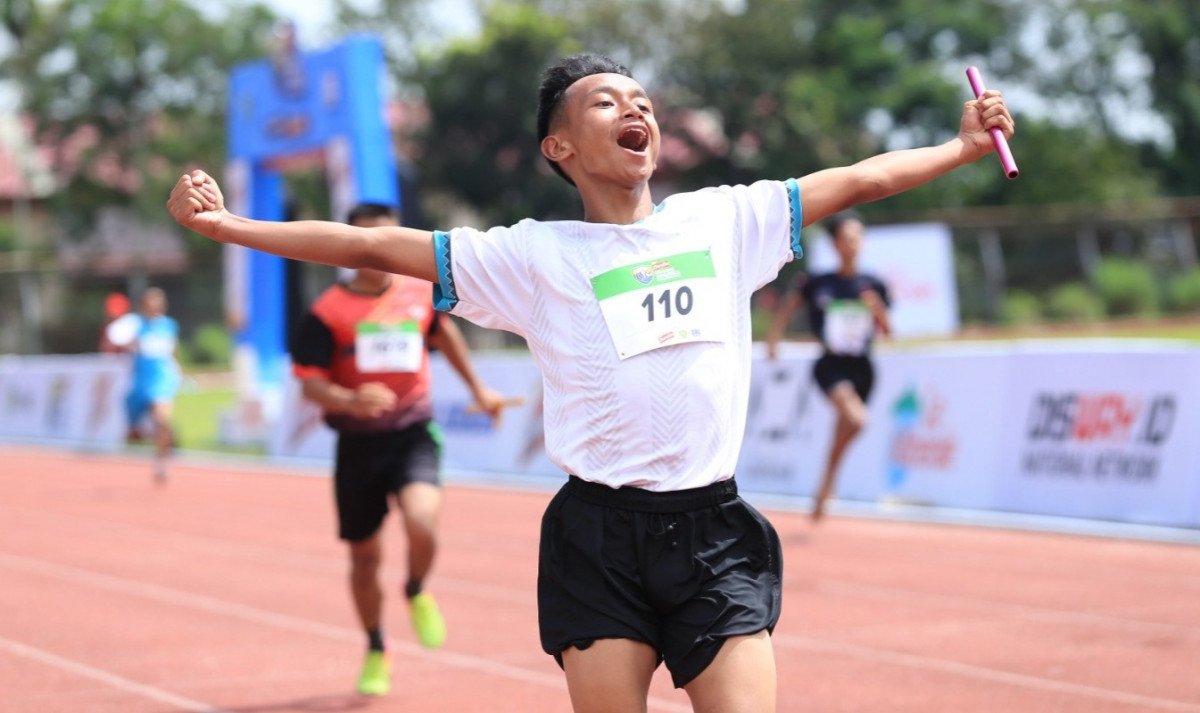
[[224, 591]]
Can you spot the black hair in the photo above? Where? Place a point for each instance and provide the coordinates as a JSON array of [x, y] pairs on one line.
[[559, 77], [370, 211], [835, 222]]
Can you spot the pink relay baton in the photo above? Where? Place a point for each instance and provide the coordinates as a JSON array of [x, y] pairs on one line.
[[1002, 150]]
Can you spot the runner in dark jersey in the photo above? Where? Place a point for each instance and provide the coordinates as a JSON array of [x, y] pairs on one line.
[[845, 310], [362, 355]]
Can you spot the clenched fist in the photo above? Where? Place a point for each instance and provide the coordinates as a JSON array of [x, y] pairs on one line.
[[196, 203]]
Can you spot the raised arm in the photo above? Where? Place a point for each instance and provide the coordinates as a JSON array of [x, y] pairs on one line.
[[824, 193], [196, 203], [781, 319]]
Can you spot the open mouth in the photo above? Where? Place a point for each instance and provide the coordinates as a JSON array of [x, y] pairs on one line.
[[634, 138]]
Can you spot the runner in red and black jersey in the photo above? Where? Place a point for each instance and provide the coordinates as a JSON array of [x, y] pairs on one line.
[[362, 354]]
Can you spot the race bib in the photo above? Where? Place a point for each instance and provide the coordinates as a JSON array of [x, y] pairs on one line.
[[388, 348], [849, 327], [156, 346], [661, 302]]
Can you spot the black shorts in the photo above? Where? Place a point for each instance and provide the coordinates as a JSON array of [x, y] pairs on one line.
[[833, 369], [371, 467], [681, 571]]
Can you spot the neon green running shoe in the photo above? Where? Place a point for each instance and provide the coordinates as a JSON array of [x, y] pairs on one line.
[[376, 676], [427, 621]]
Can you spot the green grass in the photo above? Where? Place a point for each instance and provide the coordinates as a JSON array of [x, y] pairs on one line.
[[197, 420], [1186, 330]]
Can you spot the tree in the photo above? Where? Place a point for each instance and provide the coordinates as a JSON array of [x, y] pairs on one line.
[[126, 92], [800, 86], [403, 26], [1122, 73], [774, 88], [480, 143], [1168, 35]]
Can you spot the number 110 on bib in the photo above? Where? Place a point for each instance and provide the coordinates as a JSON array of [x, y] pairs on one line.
[[661, 302], [682, 298]]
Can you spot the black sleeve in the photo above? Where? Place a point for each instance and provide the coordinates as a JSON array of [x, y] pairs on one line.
[[436, 323], [313, 343], [882, 289], [803, 284]]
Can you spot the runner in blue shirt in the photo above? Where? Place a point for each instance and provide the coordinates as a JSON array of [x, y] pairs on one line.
[[152, 337]]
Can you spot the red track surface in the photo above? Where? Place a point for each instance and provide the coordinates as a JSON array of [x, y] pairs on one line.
[[224, 591]]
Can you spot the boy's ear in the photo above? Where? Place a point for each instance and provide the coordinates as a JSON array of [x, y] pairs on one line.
[[556, 148]]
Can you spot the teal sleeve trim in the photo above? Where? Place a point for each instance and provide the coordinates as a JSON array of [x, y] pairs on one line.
[[445, 294], [796, 216]]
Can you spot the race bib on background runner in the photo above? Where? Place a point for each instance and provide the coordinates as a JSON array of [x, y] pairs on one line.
[[661, 302], [849, 327], [388, 348], [156, 346]]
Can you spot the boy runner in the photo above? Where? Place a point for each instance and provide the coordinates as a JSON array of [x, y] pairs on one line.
[[639, 318]]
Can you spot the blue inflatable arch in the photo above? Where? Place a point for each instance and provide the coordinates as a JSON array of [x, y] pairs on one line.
[[294, 111]]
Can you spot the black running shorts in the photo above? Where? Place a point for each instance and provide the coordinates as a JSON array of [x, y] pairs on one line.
[[681, 571], [832, 369], [371, 467]]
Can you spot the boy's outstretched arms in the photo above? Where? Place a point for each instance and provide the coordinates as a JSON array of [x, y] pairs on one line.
[[196, 203], [824, 193]]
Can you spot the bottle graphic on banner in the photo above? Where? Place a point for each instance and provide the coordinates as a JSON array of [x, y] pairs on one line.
[[906, 413]]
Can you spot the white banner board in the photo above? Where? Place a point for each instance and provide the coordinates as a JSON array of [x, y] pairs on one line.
[[916, 262], [76, 400], [1109, 436], [472, 442], [1103, 430]]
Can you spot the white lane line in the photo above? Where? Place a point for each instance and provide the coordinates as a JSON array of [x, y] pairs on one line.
[[335, 565], [124, 684], [276, 556], [981, 673], [294, 624], [875, 592]]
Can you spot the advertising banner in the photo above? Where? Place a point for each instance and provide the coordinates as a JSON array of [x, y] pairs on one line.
[[1102, 435], [1103, 430], [932, 436], [472, 443], [76, 400], [787, 427], [300, 432]]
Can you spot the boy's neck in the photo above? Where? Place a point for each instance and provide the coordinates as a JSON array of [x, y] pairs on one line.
[[616, 204]]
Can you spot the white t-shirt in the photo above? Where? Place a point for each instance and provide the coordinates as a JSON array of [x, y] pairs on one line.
[[641, 331]]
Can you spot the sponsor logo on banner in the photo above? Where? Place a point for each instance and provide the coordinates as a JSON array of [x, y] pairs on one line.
[[1096, 435], [457, 415], [306, 419], [75, 398], [56, 405], [18, 399], [921, 437], [100, 409]]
